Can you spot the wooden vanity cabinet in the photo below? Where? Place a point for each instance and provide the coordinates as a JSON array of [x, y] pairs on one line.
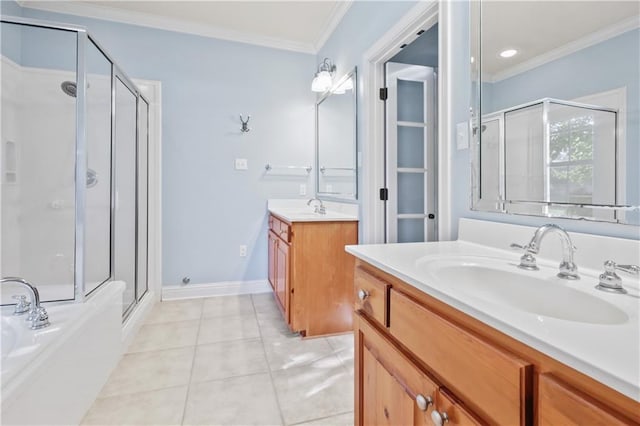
[[407, 344], [394, 390], [311, 274]]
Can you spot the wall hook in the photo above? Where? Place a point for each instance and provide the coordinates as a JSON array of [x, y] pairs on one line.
[[245, 124]]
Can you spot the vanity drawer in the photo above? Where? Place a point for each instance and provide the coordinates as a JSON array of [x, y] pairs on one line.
[[560, 404], [280, 228], [371, 296], [492, 382]]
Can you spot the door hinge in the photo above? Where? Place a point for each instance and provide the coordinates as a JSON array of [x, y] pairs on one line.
[[384, 194], [384, 94]]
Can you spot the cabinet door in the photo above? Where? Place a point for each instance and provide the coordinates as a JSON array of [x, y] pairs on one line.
[[273, 243], [390, 389], [560, 404], [386, 401], [282, 278]]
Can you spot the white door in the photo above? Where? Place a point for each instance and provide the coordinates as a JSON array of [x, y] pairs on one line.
[[411, 119]]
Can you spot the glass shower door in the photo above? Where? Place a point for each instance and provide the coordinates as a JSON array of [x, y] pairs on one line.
[[125, 190], [38, 159]]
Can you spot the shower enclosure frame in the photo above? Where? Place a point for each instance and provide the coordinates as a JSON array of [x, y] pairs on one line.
[[83, 38]]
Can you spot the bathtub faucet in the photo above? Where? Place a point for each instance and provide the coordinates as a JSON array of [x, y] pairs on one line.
[[37, 314]]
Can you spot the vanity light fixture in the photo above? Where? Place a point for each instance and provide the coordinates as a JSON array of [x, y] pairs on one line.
[[508, 53], [324, 77]]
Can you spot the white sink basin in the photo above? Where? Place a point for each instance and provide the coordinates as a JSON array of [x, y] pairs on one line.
[[537, 292]]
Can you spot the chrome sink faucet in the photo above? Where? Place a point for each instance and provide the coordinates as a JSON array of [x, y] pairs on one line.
[[37, 314], [319, 207], [568, 269]]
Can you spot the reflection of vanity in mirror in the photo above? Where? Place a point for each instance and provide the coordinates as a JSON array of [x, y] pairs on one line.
[[559, 104], [336, 141]]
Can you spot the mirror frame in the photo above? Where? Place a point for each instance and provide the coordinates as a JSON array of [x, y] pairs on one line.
[[330, 196], [500, 206]]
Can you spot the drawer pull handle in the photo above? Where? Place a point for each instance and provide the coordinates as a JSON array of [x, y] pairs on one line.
[[362, 294], [423, 402], [439, 418]]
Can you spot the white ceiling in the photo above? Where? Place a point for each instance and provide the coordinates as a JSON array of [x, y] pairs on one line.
[[539, 29], [293, 25]]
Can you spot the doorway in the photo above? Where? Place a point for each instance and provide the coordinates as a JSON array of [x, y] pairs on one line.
[[411, 104], [413, 25]]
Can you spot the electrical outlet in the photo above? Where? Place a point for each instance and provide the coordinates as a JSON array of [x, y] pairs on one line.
[[241, 164], [243, 251], [303, 189], [328, 188]]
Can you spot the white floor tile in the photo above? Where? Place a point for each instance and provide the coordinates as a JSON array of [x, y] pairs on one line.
[[175, 310], [145, 371], [339, 420], [228, 359], [154, 337], [159, 407], [314, 391], [295, 352], [222, 329], [227, 306], [246, 400]]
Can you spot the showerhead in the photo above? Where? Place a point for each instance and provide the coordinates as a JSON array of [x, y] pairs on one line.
[[69, 88]]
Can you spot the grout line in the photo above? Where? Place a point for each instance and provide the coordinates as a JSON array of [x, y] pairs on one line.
[[264, 351], [138, 393], [320, 418], [193, 362]]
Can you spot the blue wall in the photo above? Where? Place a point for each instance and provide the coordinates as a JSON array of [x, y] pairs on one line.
[[209, 209]]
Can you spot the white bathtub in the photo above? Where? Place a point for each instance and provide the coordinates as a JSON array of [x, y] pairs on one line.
[[52, 376]]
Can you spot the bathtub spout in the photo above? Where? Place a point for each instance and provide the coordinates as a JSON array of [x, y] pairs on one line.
[[37, 315]]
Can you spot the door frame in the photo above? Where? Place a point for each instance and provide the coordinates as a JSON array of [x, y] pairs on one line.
[[422, 16]]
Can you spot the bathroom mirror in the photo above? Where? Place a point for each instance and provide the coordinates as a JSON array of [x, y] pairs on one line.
[[555, 109], [336, 141]]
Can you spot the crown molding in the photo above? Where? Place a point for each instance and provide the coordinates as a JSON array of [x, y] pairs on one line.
[[567, 49], [339, 10], [169, 24]]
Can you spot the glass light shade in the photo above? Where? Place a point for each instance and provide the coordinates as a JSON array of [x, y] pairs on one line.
[[321, 82], [315, 85]]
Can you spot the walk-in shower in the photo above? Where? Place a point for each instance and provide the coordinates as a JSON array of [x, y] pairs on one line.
[[74, 144]]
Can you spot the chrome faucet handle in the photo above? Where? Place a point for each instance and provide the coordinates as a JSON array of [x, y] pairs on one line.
[[629, 269], [527, 260], [39, 318], [610, 281], [22, 306]]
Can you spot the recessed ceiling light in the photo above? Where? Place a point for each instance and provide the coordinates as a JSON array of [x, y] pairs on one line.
[[508, 53]]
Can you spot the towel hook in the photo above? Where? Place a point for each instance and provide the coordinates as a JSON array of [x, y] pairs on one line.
[[245, 124]]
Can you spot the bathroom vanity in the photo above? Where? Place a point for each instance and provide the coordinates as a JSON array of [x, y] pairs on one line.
[[309, 271], [456, 333]]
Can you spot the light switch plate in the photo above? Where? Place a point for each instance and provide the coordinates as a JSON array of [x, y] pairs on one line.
[[241, 164], [303, 189], [462, 135]]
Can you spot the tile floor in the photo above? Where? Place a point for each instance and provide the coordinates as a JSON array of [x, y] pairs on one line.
[[227, 361]]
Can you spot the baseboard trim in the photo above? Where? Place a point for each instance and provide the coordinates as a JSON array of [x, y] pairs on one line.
[[224, 288]]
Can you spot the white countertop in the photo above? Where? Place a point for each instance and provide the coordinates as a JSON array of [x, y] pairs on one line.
[[608, 353], [296, 210], [299, 215]]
